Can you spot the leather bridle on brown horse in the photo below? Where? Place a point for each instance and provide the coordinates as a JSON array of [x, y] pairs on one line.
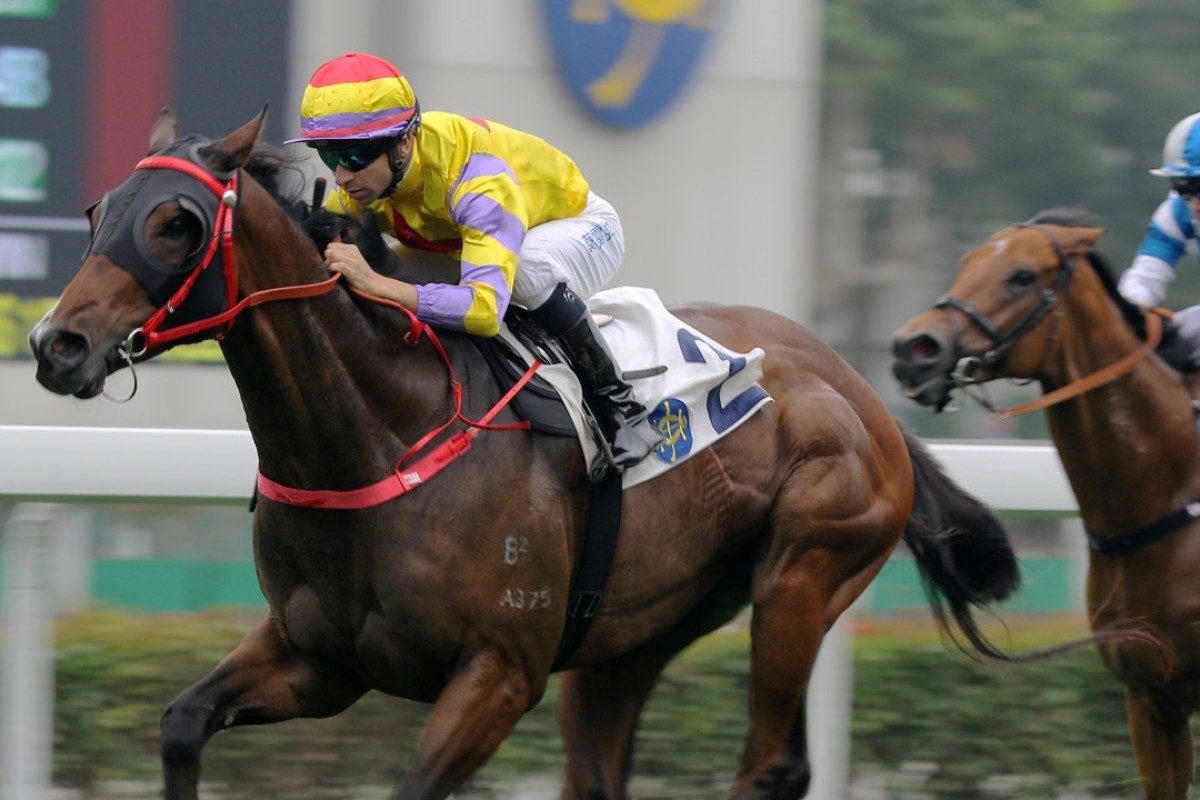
[[1002, 342]]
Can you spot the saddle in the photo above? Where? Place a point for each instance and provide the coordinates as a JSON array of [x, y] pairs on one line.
[[538, 402]]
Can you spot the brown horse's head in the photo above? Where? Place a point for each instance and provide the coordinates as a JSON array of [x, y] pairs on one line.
[[998, 320], [154, 251]]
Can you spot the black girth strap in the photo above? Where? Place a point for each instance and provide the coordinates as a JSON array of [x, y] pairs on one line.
[[1148, 533], [599, 547]]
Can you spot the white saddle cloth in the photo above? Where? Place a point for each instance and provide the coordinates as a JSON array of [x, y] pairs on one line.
[[696, 390]]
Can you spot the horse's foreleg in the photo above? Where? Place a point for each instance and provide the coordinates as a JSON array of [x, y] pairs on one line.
[[1162, 745], [598, 711], [476, 710], [261, 681]]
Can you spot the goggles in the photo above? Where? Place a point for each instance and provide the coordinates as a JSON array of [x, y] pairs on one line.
[[1186, 187], [356, 157]]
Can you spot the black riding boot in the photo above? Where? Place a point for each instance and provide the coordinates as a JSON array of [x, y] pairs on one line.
[[622, 418]]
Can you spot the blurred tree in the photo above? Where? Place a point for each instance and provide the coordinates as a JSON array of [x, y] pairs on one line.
[[995, 103], [944, 121], [1008, 107]]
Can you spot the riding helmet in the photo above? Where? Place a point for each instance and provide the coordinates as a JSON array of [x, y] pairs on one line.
[[357, 96], [1181, 152]]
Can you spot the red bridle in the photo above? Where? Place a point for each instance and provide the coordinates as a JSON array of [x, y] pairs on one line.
[[401, 479], [222, 239]]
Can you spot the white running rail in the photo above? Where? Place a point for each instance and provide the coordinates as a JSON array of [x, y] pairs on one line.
[[41, 466]]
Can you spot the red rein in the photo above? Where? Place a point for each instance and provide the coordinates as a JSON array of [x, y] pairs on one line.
[[401, 480]]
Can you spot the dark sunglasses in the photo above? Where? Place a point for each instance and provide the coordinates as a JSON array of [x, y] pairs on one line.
[[1186, 187], [354, 158]]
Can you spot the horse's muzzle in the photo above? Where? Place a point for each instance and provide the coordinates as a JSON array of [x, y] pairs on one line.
[[65, 364], [922, 364]]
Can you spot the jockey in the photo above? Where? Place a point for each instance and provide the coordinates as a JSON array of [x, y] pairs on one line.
[[1172, 231], [516, 212]]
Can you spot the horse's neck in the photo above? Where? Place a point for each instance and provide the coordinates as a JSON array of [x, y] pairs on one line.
[[331, 397], [1132, 438]]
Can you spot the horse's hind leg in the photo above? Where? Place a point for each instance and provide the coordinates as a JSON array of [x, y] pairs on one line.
[[784, 643], [809, 577], [1162, 745], [261, 681]]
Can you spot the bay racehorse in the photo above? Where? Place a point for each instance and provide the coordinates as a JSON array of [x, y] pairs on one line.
[[455, 593], [1037, 301]]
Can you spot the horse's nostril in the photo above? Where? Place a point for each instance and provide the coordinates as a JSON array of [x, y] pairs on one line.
[[63, 349], [920, 349], [924, 348]]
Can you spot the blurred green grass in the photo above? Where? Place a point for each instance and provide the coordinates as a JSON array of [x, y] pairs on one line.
[[926, 719]]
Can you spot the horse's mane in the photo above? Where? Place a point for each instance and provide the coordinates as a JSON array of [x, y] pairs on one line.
[[281, 175], [1078, 218]]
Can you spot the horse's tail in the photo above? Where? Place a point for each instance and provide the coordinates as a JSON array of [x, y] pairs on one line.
[[966, 559], [961, 548]]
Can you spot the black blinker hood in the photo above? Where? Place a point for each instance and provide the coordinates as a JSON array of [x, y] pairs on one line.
[[120, 224]]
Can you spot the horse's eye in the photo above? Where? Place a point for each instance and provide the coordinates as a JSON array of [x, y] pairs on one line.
[[184, 234], [1023, 278], [180, 227]]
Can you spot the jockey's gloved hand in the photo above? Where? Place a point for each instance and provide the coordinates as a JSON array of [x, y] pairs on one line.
[[365, 233], [324, 227]]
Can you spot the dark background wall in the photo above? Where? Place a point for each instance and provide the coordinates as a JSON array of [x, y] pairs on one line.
[[112, 64]]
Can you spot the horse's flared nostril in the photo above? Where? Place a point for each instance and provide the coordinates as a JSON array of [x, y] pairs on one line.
[[918, 350], [60, 349], [918, 358]]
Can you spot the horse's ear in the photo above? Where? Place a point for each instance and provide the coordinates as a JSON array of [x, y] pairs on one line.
[[234, 150], [165, 130], [1082, 240]]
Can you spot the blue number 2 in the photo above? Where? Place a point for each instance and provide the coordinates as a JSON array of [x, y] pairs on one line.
[[722, 416]]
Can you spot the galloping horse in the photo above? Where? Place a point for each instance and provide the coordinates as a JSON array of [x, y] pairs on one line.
[[426, 595], [1036, 301]]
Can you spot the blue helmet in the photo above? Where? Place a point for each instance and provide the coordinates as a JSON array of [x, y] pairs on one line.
[[1181, 151]]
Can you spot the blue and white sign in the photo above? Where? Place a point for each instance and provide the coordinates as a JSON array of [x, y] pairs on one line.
[[627, 60]]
